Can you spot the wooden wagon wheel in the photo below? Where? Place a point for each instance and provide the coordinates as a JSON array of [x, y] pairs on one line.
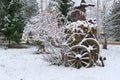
[[93, 46], [78, 56]]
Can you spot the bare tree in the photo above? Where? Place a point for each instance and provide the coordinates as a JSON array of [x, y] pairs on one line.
[[104, 11]]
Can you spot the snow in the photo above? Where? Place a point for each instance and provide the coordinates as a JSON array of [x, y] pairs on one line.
[[78, 56], [22, 64]]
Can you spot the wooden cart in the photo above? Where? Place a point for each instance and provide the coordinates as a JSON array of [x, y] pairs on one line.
[[83, 47]]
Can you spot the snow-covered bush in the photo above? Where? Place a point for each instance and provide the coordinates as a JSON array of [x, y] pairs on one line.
[[57, 57], [54, 59], [46, 27], [49, 29], [48, 32]]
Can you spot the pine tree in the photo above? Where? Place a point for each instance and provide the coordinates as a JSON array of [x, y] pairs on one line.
[[11, 20], [114, 21], [64, 5]]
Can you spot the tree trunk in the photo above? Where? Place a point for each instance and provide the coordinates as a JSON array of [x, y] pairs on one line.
[[104, 27], [9, 44], [105, 44]]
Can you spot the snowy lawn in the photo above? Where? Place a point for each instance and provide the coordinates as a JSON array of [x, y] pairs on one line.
[[22, 64]]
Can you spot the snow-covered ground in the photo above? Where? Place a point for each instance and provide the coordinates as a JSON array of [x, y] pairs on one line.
[[22, 64]]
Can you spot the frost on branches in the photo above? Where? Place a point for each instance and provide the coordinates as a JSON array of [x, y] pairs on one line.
[[48, 33], [47, 30], [47, 27]]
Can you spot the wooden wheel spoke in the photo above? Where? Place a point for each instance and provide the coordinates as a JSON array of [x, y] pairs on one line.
[[72, 64], [71, 56], [78, 64], [83, 51], [84, 62], [73, 53], [84, 54], [86, 58], [78, 50], [93, 46], [95, 49], [71, 60], [87, 43]]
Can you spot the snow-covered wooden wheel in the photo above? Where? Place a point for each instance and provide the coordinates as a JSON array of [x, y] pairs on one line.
[[93, 46], [78, 56]]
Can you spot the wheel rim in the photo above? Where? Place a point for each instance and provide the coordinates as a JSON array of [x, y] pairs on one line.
[[79, 56]]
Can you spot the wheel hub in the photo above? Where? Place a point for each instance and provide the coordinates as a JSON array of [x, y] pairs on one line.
[[90, 47], [78, 56]]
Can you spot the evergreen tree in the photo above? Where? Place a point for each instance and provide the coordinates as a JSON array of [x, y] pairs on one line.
[[64, 5], [114, 21], [11, 20]]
